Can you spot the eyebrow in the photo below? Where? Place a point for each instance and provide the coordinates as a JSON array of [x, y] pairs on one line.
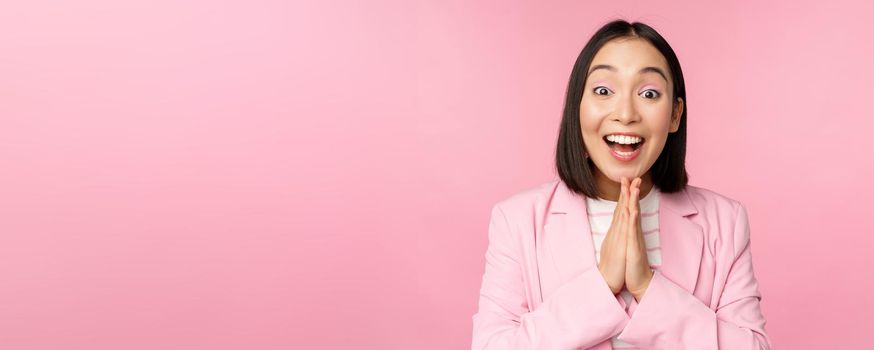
[[642, 70]]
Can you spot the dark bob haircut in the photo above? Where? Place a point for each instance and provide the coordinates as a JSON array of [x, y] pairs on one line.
[[574, 168]]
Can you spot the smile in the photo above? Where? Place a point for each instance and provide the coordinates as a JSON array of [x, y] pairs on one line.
[[624, 149]]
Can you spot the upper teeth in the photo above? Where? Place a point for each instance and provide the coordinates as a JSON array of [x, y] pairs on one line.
[[625, 140]]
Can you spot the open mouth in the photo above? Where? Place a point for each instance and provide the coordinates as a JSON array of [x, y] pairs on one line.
[[623, 147]]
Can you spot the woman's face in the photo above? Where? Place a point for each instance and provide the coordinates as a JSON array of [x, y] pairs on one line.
[[628, 90]]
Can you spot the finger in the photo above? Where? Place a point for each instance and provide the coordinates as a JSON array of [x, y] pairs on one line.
[[618, 210], [633, 228], [622, 225], [622, 219], [622, 192], [617, 213], [633, 215], [629, 199], [626, 184], [638, 220]]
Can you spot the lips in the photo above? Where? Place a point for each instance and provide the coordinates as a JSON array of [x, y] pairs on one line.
[[625, 156]]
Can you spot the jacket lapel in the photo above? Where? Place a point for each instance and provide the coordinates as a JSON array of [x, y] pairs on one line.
[[681, 239], [567, 236]]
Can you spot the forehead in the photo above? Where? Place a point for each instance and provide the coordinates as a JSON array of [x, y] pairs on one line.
[[629, 55]]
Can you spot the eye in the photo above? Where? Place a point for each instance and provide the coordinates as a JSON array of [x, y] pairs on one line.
[[600, 88], [652, 94]]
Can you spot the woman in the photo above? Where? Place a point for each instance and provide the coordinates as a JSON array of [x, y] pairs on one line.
[[620, 252]]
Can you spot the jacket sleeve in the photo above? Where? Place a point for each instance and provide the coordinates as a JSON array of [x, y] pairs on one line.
[[581, 313], [669, 317]]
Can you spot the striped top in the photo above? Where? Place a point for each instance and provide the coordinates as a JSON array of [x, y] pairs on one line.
[[600, 212]]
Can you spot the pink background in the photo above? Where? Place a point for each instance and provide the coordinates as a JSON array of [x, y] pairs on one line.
[[275, 175]]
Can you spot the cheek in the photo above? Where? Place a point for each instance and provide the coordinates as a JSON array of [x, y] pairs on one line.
[[659, 119], [592, 108], [590, 116], [590, 128], [659, 126]]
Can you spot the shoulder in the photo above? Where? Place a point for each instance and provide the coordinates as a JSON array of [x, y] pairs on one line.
[[528, 198], [526, 207], [720, 213], [710, 201]]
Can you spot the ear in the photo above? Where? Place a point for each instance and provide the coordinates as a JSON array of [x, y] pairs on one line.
[[677, 113]]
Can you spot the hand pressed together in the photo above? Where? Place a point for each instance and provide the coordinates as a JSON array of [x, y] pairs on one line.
[[623, 259]]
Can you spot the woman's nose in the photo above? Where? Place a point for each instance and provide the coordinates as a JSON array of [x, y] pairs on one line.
[[625, 111]]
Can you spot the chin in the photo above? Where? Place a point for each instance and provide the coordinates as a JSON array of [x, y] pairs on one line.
[[616, 173]]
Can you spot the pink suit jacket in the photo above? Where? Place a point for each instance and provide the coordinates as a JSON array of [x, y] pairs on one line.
[[541, 288]]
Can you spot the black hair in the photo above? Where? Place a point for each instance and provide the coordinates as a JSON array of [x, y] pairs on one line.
[[574, 168]]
